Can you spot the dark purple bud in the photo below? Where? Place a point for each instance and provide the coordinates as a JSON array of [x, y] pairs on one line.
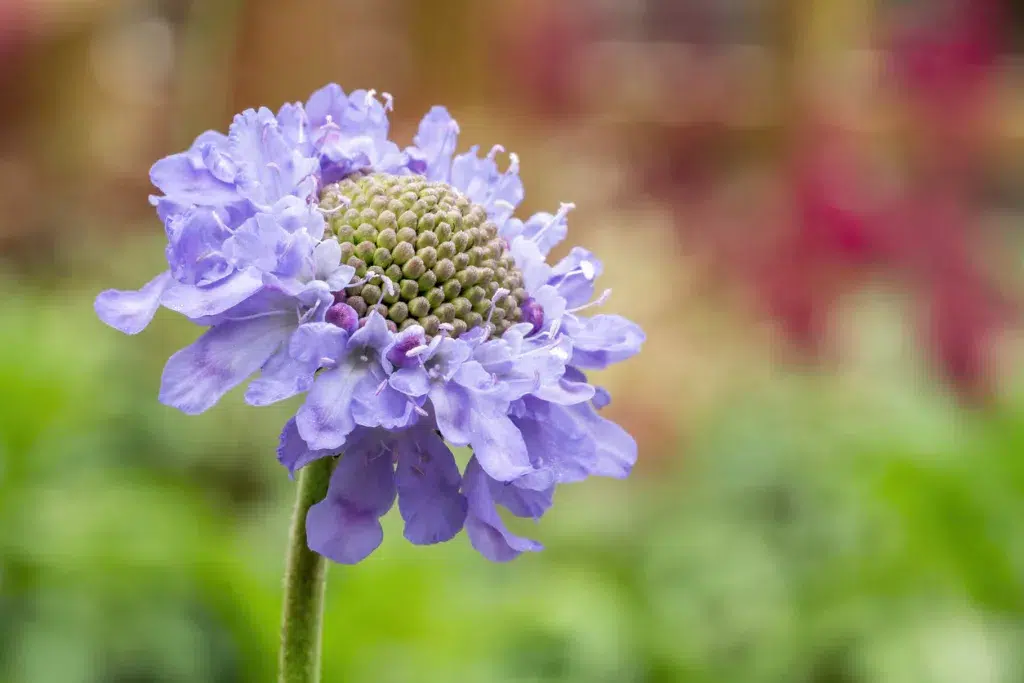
[[344, 316], [533, 313], [340, 296]]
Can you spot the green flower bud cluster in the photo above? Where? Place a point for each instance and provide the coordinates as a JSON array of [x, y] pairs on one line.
[[443, 258]]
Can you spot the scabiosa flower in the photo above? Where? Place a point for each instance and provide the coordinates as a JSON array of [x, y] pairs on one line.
[[395, 289]]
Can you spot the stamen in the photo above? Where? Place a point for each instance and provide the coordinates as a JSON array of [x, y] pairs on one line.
[[417, 350], [558, 325], [498, 296], [383, 385], [384, 449], [550, 346], [418, 409], [497, 149], [596, 302], [389, 101], [504, 205], [563, 211], [388, 283], [345, 203], [585, 268], [513, 163]]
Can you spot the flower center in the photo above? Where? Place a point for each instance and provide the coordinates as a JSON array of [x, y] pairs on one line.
[[424, 254]]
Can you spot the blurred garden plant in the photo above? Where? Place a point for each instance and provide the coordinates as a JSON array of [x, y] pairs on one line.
[[394, 288]]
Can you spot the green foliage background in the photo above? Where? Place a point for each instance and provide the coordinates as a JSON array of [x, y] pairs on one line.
[[811, 532]]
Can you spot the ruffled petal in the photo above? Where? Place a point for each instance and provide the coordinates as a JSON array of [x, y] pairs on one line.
[[328, 267], [499, 446], [428, 482], [435, 143], [345, 526], [376, 404], [364, 116], [197, 376], [482, 183], [522, 502], [605, 339], [294, 214], [214, 149], [452, 410], [195, 248], [351, 133], [281, 378], [565, 392], [616, 450], [562, 449], [293, 452], [268, 167], [485, 528], [411, 381], [530, 261], [318, 343], [574, 276], [546, 230], [131, 311], [200, 302], [329, 100], [201, 176], [326, 258], [374, 336], [295, 127], [325, 419]]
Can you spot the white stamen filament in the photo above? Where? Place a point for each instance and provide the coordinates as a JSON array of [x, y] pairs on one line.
[[551, 346], [345, 202], [596, 302], [498, 296], [563, 211]]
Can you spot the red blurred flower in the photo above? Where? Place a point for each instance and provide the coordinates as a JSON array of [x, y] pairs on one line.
[[843, 224]]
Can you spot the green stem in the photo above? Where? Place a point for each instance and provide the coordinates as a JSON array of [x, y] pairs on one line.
[[304, 581]]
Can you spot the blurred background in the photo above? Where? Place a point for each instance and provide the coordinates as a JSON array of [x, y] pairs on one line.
[[814, 209]]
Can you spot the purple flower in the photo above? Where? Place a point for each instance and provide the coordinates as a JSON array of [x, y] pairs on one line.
[[395, 289], [353, 390], [416, 465], [468, 407]]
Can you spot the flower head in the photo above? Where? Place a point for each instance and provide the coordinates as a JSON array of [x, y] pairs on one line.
[[396, 291]]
